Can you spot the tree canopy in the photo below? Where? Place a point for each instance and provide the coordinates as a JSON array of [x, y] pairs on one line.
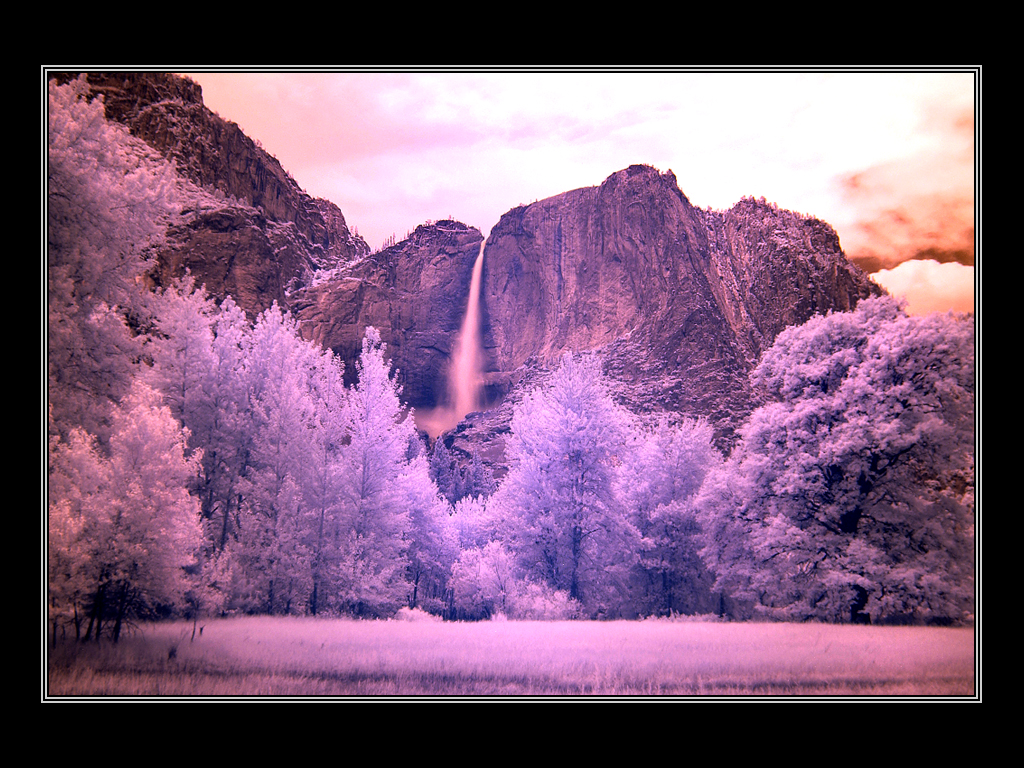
[[851, 496]]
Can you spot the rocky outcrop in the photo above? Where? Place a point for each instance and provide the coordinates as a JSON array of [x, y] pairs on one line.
[[414, 293], [266, 237], [680, 302]]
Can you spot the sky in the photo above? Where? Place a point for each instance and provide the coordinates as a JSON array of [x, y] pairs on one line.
[[885, 157]]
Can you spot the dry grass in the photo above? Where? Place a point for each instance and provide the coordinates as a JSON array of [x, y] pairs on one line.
[[321, 657]]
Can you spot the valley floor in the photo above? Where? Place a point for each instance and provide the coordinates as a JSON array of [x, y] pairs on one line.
[[307, 657]]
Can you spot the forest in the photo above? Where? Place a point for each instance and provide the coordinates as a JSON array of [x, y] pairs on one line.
[[203, 463]]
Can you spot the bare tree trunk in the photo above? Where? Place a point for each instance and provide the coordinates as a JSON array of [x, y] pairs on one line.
[[96, 615], [317, 562], [577, 548], [122, 607]]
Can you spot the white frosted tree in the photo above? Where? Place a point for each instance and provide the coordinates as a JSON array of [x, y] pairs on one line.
[[226, 437], [322, 476], [432, 549], [661, 475], [484, 582], [79, 477], [563, 518], [851, 497], [180, 347], [109, 198], [276, 524], [124, 527], [444, 471], [374, 522], [198, 354], [471, 524]]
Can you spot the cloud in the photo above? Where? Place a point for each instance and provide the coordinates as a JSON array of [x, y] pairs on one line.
[[920, 206], [929, 286]]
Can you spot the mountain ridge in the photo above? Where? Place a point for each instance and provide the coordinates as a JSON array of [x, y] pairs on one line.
[[679, 301]]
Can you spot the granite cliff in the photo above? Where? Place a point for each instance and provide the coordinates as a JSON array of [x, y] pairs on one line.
[[680, 301], [247, 229], [414, 292]]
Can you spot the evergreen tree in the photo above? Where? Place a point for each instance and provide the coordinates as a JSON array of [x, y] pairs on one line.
[[479, 479], [322, 481], [373, 534], [226, 438], [275, 522], [445, 472]]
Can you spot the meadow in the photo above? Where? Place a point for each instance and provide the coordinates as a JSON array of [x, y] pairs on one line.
[[313, 657]]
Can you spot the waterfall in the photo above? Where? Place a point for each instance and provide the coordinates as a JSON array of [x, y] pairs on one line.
[[465, 375], [465, 379]]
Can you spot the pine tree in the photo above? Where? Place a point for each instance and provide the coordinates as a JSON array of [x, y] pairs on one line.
[[180, 347], [322, 478], [444, 471], [275, 522], [227, 437], [479, 479], [372, 537]]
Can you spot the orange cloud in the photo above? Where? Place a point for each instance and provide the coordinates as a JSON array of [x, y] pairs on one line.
[[920, 207]]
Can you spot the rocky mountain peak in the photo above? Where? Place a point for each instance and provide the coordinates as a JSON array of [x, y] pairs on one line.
[[679, 301], [413, 292]]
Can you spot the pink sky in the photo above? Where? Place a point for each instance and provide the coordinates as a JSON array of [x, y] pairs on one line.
[[886, 158]]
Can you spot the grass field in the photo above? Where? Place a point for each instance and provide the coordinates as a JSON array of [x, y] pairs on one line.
[[335, 657]]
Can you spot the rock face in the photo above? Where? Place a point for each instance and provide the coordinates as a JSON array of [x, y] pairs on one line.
[[414, 293], [680, 301], [252, 233]]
